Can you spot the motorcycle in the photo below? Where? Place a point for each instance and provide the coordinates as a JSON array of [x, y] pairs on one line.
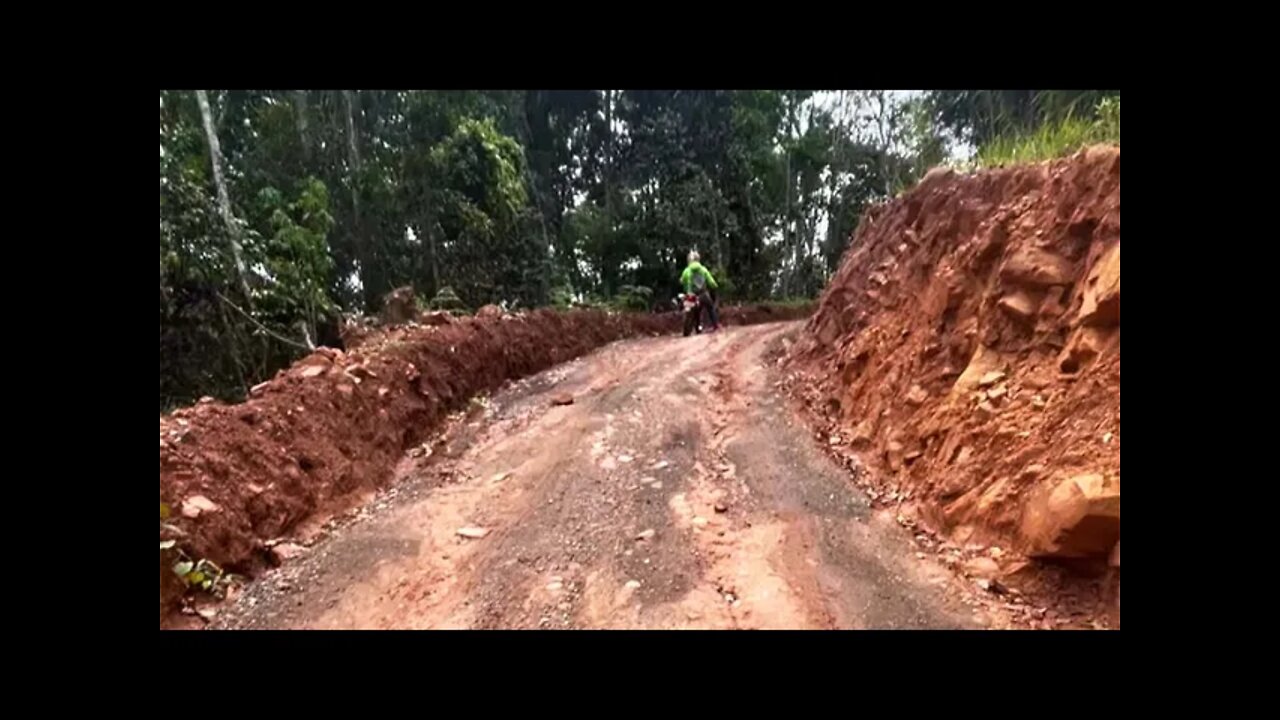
[[692, 313]]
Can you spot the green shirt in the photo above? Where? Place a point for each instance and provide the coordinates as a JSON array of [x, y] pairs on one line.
[[686, 277]]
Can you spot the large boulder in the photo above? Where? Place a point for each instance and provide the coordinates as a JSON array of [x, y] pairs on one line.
[[1101, 305], [1034, 267], [1079, 518]]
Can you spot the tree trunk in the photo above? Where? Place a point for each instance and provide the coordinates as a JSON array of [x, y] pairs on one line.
[[538, 202], [786, 220], [715, 237], [300, 111], [224, 200], [435, 263], [608, 158], [353, 160]]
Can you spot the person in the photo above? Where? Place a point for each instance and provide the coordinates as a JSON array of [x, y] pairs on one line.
[[697, 279]]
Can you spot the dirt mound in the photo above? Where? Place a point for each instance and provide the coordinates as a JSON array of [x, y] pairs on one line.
[[358, 332], [336, 422], [969, 348]]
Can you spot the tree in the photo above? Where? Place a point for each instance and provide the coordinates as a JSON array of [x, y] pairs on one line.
[[224, 202]]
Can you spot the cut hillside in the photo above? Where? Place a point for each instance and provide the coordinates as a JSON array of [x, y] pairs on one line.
[[968, 350]]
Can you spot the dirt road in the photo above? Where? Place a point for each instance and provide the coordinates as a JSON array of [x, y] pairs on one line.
[[676, 491]]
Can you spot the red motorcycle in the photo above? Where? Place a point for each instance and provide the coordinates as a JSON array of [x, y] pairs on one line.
[[692, 314]]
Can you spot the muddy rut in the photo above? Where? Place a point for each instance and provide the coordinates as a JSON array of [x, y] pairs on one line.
[[678, 490]]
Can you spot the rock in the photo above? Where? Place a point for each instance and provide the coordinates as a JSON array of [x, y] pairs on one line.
[[489, 311], [313, 371], [193, 506], [625, 458], [1035, 267], [1032, 472], [893, 455], [435, 318], [1083, 346], [1037, 402], [700, 522], [863, 434], [1018, 305], [361, 372], [721, 507], [562, 399], [646, 534], [657, 485], [659, 465], [258, 389], [499, 477], [632, 584], [1079, 518], [1101, 303], [985, 410], [917, 395], [998, 392], [982, 567], [992, 586], [991, 378], [473, 532], [555, 586], [399, 305], [286, 551]]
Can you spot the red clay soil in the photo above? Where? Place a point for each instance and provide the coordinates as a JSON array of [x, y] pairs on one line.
[[969, 350], [335, 423]]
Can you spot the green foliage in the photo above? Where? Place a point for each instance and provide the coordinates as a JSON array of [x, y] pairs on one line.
[[562, 296], [1108, 119], [447, 299], [202, 575], [633, 297], [488, 242], [1055, 138], [981, 116], [296, 265]]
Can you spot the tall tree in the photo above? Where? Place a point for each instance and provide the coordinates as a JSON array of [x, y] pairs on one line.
[[224, 200]]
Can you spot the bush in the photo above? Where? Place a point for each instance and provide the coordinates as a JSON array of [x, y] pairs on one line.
[[447, 299], [633, 297]]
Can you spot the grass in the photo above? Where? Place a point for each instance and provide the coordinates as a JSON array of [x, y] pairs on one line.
[[1054, 139]]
